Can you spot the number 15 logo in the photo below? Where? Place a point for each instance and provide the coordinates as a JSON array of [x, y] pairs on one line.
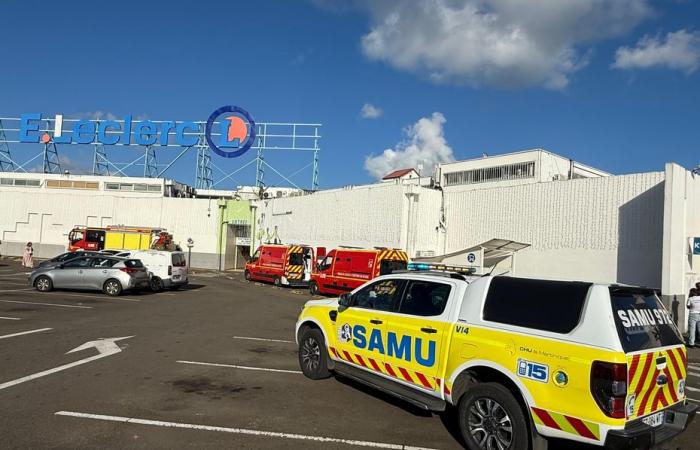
[[533, 370]]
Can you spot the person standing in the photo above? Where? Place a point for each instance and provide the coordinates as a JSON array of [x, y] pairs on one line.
[[693, 305], [28, 256]]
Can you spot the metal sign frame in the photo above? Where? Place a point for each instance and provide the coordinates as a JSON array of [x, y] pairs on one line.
[[297, 138]]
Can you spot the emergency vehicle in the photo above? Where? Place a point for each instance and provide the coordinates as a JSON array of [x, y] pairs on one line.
[[289, 265], [521, 359], [120, 238], [344, 269]]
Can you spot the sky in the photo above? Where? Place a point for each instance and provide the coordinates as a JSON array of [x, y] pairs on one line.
[[611, 83]]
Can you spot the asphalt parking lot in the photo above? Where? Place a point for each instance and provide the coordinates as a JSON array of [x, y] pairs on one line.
[[211, 366]]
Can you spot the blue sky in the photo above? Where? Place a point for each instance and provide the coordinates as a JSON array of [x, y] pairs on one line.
[[614, 84]]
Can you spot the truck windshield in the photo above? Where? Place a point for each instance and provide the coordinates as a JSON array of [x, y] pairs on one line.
[[642, 321]]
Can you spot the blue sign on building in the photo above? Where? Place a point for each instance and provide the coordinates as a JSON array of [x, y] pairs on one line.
[[236, 131], [696, 246]]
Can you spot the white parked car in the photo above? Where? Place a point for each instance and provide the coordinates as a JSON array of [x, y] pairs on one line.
[[167, 269]]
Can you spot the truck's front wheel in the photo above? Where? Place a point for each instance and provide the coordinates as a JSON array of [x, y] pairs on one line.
[[491, 418], [313, 357]]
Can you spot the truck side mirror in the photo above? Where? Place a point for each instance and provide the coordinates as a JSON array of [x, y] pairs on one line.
[[344, 300]]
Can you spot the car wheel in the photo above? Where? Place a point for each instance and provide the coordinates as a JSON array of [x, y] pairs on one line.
[[313, 288], [490, 418], [246, 274], [156, 284], [43, 284], [112, 288], [277, 281], [313, 357]]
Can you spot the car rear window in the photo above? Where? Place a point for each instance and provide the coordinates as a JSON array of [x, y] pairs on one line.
[[133, 263], [642, 321], [178, 260], [296, 259], [388, 266], [545, 305]]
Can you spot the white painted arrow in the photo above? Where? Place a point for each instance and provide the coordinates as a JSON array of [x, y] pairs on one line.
[[105, 347]]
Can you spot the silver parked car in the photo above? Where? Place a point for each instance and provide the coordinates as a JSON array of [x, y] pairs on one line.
[[105, 273]]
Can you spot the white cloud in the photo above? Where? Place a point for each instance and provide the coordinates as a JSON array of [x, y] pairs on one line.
[[505, 43], [679, 50], [369, 111], [424, 148]]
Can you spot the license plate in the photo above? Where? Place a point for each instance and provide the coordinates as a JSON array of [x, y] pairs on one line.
[[176, 277], [654, 420]]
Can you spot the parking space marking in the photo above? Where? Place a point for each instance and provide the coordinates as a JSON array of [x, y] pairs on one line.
[[233, 366], [16, 290], [17, 274], [246, 431], [263, 339], [25, 332], [692, 389], [9, 318], [693, 373], [101, 297], [46, 304]]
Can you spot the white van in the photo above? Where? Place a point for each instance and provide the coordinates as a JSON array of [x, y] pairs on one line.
[[167, 269]]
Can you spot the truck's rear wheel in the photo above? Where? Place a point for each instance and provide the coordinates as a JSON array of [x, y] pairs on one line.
[[490, 418], [313, 357], [313, 288], [246, 274], [277, 281]]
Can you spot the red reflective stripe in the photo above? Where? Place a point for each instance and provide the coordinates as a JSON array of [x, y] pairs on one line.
[[360, 360], [633, 367], [347, 356], [446, 389], [650, 388], [580, 427], [374, 364], [643, 377], [334, 351], [546, 418], [390, 370], [405, 374], [424, 381], [670, 384], [674, 362]]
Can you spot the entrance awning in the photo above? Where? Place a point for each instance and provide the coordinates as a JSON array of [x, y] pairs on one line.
[[488, 254]]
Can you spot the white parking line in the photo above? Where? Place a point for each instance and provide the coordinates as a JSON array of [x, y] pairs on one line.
[[272, 434], [693, 373], [692, 389], [18, 274], [233, 366], [25, 332], [46, 304], [692, 400], [9, 318], [263, 339], [16, 290]]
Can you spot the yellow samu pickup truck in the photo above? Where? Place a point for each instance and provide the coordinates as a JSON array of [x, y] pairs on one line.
[[522, 359]]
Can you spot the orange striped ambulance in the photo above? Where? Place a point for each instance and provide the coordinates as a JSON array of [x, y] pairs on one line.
[[345, 268], [522, 360]]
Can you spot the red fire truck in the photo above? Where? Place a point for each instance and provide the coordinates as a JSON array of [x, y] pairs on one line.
[[120, 237], [289, 265], [344, 269]]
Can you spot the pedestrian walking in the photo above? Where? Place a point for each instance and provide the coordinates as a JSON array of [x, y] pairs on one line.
[[693, 305], [28, 256]]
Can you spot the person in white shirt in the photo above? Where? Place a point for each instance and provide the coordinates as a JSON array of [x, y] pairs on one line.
[[693, 305]]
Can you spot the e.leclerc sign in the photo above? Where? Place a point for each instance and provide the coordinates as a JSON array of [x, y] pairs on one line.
[[236, 131]]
